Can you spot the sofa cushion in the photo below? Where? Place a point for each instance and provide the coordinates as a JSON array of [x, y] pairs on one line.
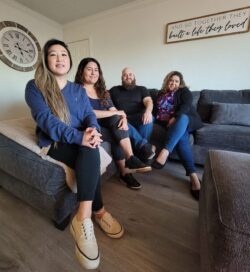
[[196, 96], [224, 212], [213, 137], [22, 158], [207, 97], [230, 114], [29, 167]]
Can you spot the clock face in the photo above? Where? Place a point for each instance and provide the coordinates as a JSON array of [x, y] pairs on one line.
[[18, 47]]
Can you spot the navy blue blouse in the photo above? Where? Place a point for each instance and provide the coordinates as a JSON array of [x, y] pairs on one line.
[[97, 105]]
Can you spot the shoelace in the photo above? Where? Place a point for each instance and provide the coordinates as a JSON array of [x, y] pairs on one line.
[[88, 231]]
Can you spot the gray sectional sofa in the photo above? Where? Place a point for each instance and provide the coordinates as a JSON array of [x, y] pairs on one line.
[[226, 119], [42, 183]]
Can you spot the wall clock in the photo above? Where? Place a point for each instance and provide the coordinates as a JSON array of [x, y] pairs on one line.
[[19, 48]]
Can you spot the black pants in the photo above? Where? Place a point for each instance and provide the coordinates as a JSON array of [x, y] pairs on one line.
[[111, 133], [86, 163]]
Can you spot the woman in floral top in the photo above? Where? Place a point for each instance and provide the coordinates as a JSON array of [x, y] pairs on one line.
[[176, 114]]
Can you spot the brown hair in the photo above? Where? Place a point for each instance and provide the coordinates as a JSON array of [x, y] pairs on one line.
[[168, 78], [100, 85]]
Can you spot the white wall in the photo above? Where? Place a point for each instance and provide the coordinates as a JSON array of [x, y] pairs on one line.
[[12, 82], [134, 36]]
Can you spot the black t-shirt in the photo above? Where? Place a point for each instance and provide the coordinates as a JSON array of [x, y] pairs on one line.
[[130, 101]]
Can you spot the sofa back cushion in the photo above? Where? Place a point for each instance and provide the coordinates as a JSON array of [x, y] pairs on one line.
[[153, 93], [207, 97], [196, 96], [230, 114]]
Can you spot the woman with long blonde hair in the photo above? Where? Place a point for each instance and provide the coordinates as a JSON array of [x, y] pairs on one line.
[[67, 127]]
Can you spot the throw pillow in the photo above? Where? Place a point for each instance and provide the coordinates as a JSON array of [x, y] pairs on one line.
[[230, 114]]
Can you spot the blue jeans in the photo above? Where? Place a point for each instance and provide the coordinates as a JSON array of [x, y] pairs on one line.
[[145, 130], [140, 135], [177, 137]]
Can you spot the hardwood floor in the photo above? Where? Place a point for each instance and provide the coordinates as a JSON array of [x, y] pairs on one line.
[[160, 220]]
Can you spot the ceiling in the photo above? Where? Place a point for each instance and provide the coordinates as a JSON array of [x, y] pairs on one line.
[[65, 11]]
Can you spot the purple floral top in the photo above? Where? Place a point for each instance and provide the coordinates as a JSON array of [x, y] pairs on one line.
[[165, 106]]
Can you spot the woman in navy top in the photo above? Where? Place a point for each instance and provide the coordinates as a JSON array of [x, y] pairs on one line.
[[113, 122], [68, 129], [176, 114]]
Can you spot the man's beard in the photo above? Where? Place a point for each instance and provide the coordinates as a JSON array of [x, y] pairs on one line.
[[129, 86]]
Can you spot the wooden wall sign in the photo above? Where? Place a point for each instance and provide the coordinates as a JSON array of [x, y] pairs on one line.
[[213, 25]]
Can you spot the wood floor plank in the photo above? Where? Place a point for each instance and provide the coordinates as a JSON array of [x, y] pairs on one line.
[[160, 221]]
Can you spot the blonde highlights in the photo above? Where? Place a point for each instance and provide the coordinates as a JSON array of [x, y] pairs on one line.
[[47, 84]]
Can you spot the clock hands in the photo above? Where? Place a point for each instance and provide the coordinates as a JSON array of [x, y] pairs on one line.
[[20, 49]]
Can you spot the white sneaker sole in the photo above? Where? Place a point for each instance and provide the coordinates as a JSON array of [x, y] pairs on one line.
[[138, 170], [143, 170], [112, 235]]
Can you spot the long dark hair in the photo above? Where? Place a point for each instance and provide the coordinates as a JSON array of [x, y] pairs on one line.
[[100, 85], [47, 84]]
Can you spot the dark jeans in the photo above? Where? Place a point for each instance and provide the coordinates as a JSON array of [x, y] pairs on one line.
[[112, 134], [86, 163]]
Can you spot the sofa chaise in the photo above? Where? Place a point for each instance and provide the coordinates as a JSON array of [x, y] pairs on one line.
[[42, 182], [225, 115]]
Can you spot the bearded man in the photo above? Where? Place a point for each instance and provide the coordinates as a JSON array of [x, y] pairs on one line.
[[136, 102]]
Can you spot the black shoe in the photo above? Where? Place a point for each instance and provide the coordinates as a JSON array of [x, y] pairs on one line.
[[195, 193], [147, 152], [155, 164], [130, 181], [133, 163]]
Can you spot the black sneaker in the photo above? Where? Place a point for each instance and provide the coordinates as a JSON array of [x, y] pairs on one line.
[[133, 163], [130, 181], [147, 151]]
